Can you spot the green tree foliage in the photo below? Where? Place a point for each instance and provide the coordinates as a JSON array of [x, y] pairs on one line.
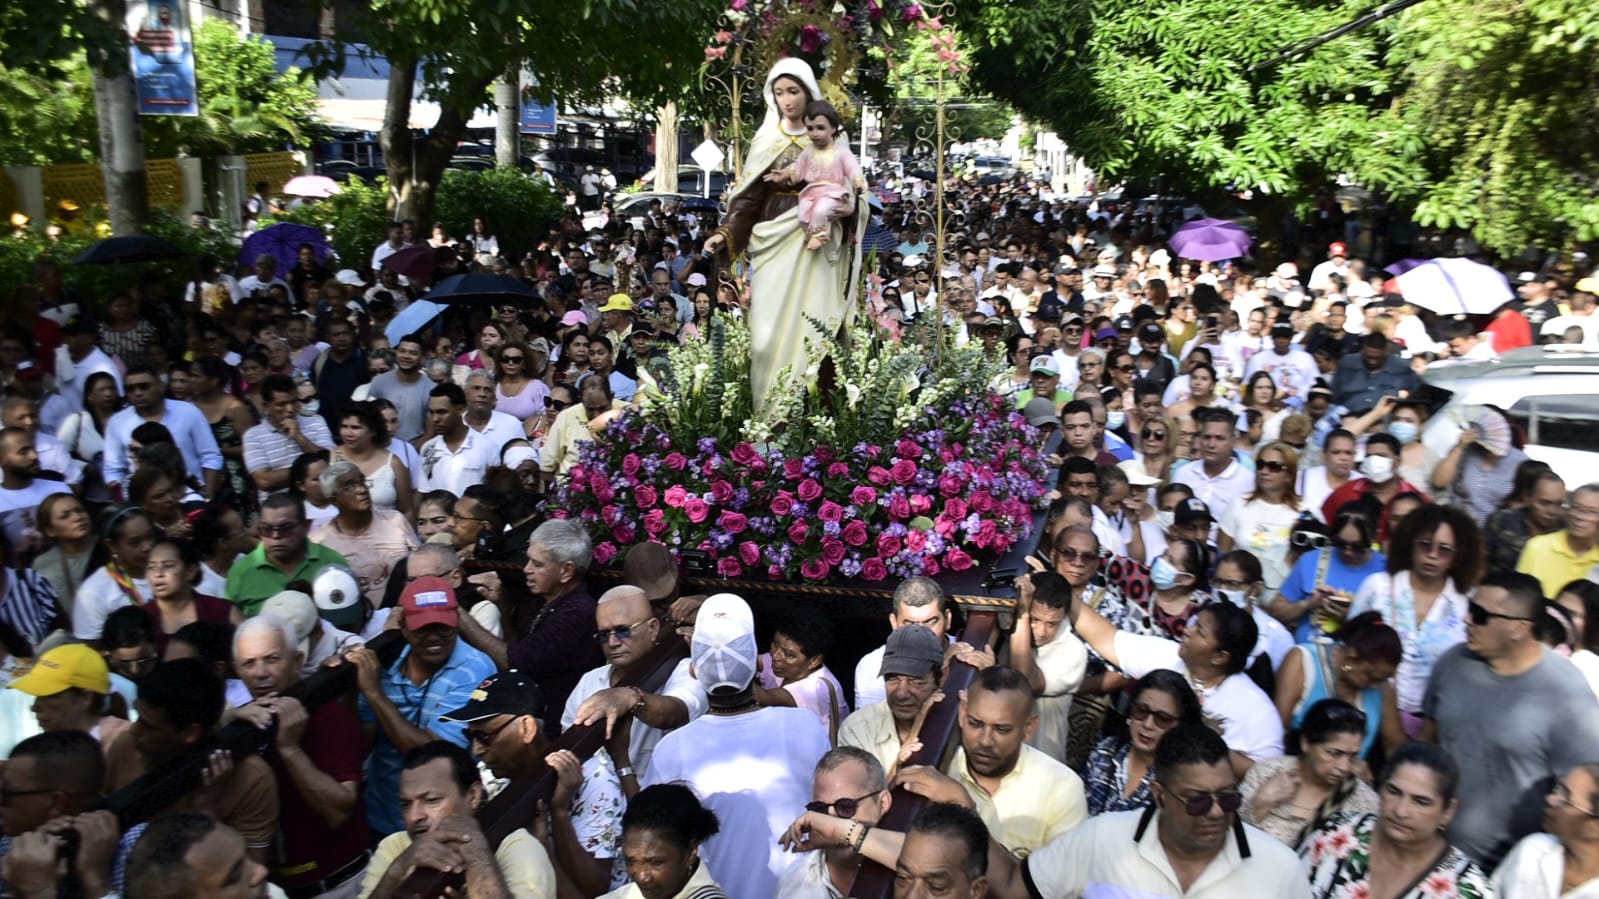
[[1505, 94], [355, 220], [47, 119]]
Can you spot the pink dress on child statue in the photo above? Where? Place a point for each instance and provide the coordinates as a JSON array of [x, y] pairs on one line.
[[830, 174]]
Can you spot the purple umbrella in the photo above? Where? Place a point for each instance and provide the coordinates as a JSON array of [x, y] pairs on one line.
[[282, 241], [1402, 266], [1210, 240]]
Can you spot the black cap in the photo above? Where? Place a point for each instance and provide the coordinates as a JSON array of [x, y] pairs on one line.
[[1191, 510], [506, 693], [1282, 329], [82, 323], [1125, 323], [1150, 332]]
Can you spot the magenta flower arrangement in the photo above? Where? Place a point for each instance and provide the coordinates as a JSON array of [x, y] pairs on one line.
[[957, 489]]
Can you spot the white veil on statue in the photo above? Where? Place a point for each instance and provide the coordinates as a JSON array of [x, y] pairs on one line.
[[767, 142]]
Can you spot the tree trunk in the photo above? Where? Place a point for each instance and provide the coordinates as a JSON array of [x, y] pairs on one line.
[[666, 149], [396, 139], [507, 128], [432, 154], [121, 139]]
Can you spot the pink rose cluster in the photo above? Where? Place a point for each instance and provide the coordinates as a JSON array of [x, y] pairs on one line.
[[954, 491]]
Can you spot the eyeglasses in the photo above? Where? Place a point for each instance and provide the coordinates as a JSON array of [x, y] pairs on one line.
[[1427, 547], [356, 486], [1576, 511], [282, 530], [1562, 794], [1151, 434], [1200, 806], [1230, 585], [1308, 540], [623, 633], [841, 808], [485, 738], [508, 360], [1163, 720], [1480, 615], [1271, 465], [1077, 556], [133, 664]]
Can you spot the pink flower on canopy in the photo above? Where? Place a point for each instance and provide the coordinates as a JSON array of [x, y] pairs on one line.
[[604, 553], [944, 527], [955, 509], [775, 572], [675, 461], [727, 566], [863, 496], [915, 541], [832, 550], [855, 533], [578, 477], [987, 533], [838, 470], [982, 502], [733, 522], [749, 552], [714, 53], [809, 490], [903, 472], [723, 37], [957, 560], [782, 503], [743, 453], [793, 469], [814, 569], [624, 533], [603, 494], [696, 509], [810, 39], [911, 13], [899, 508], [631, 464], [889, 546], [740, 5], [878, 475], [950, 485], [873, 569], [908, 449], [830, 511], [675, 496], [721, 492], [645, 496], [654, 522], [798, 531], [920, 503], [930, 567]]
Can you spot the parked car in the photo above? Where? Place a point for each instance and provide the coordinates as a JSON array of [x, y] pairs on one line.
[[633, 207], [1550, 392]]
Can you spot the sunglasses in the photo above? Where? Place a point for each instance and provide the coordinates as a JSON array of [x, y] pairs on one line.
[[1200, 806], [1127, 368], [1163, 720], [558, 405], [1480, 616], [1077, 556], [839, 808], [1151, 434], [1427, 547], [1271, 465], [510, 359], [484, 738], [1308, 540], [623, 633]]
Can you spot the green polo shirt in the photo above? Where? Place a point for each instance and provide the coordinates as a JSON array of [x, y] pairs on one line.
[[253, 580]]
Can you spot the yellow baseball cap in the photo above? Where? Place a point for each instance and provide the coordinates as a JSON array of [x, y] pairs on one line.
[[618, 302], [65, 667]]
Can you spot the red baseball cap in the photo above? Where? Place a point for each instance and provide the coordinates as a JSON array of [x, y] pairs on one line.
[[429, 600], [1337, 249]]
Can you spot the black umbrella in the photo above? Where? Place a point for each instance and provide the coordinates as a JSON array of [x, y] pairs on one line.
[[133, 248], [480, 287]]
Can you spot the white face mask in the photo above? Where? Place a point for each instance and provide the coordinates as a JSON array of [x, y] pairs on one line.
[[1239, 598], [1377, 469], [1114, 420], [1166, 520]]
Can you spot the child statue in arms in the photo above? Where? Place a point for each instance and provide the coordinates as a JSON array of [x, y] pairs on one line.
[[829, 171]]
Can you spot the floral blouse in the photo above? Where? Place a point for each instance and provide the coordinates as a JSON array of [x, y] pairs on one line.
[[1338, 859]]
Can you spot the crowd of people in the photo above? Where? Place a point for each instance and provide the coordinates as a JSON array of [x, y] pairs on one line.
[[1271, 643]]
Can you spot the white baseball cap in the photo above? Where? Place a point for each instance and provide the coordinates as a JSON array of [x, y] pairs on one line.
[[724, 651]]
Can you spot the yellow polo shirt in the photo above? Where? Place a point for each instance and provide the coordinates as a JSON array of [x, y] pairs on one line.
[[1039, 800], [521, 859], [872, 728], [1549, 558], [571, 427]]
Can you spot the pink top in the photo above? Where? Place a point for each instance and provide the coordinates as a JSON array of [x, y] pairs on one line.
[[525, 405], [811, 692]]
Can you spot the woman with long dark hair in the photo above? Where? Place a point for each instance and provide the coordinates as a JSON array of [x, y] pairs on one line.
[[65, 521], [1580, 600], [1121, 769], [127, 535], [229, 418], [83, 433]]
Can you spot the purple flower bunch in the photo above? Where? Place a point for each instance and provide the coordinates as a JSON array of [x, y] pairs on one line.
[[951, 492]]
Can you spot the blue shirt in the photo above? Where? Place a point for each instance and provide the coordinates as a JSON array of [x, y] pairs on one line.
[[1301, 582], [191, 433], [447, 690]]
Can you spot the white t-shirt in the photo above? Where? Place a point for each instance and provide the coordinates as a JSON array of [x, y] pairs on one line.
[[458, 470], [1535, 869], [19, 515], [754, 771], [1314, 488], [1263, 528], [1249, 721], [1063, 662], [681, 685], [98, 597]]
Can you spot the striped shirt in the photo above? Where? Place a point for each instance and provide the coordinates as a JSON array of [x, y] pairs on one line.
[[29, 605], [268, 449]]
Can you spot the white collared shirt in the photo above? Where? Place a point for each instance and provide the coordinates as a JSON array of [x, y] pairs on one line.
[[444, 469]]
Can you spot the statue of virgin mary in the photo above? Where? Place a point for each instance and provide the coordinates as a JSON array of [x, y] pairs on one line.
[[788, 283]]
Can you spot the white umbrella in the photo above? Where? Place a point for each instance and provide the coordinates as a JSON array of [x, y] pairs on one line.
[[1456, 287], [318, 186]]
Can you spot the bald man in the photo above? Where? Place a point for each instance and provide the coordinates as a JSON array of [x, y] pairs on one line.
[[628, 630]]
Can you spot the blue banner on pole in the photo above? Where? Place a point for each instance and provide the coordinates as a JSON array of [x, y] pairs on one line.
[[163, 57], [537, 118]]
